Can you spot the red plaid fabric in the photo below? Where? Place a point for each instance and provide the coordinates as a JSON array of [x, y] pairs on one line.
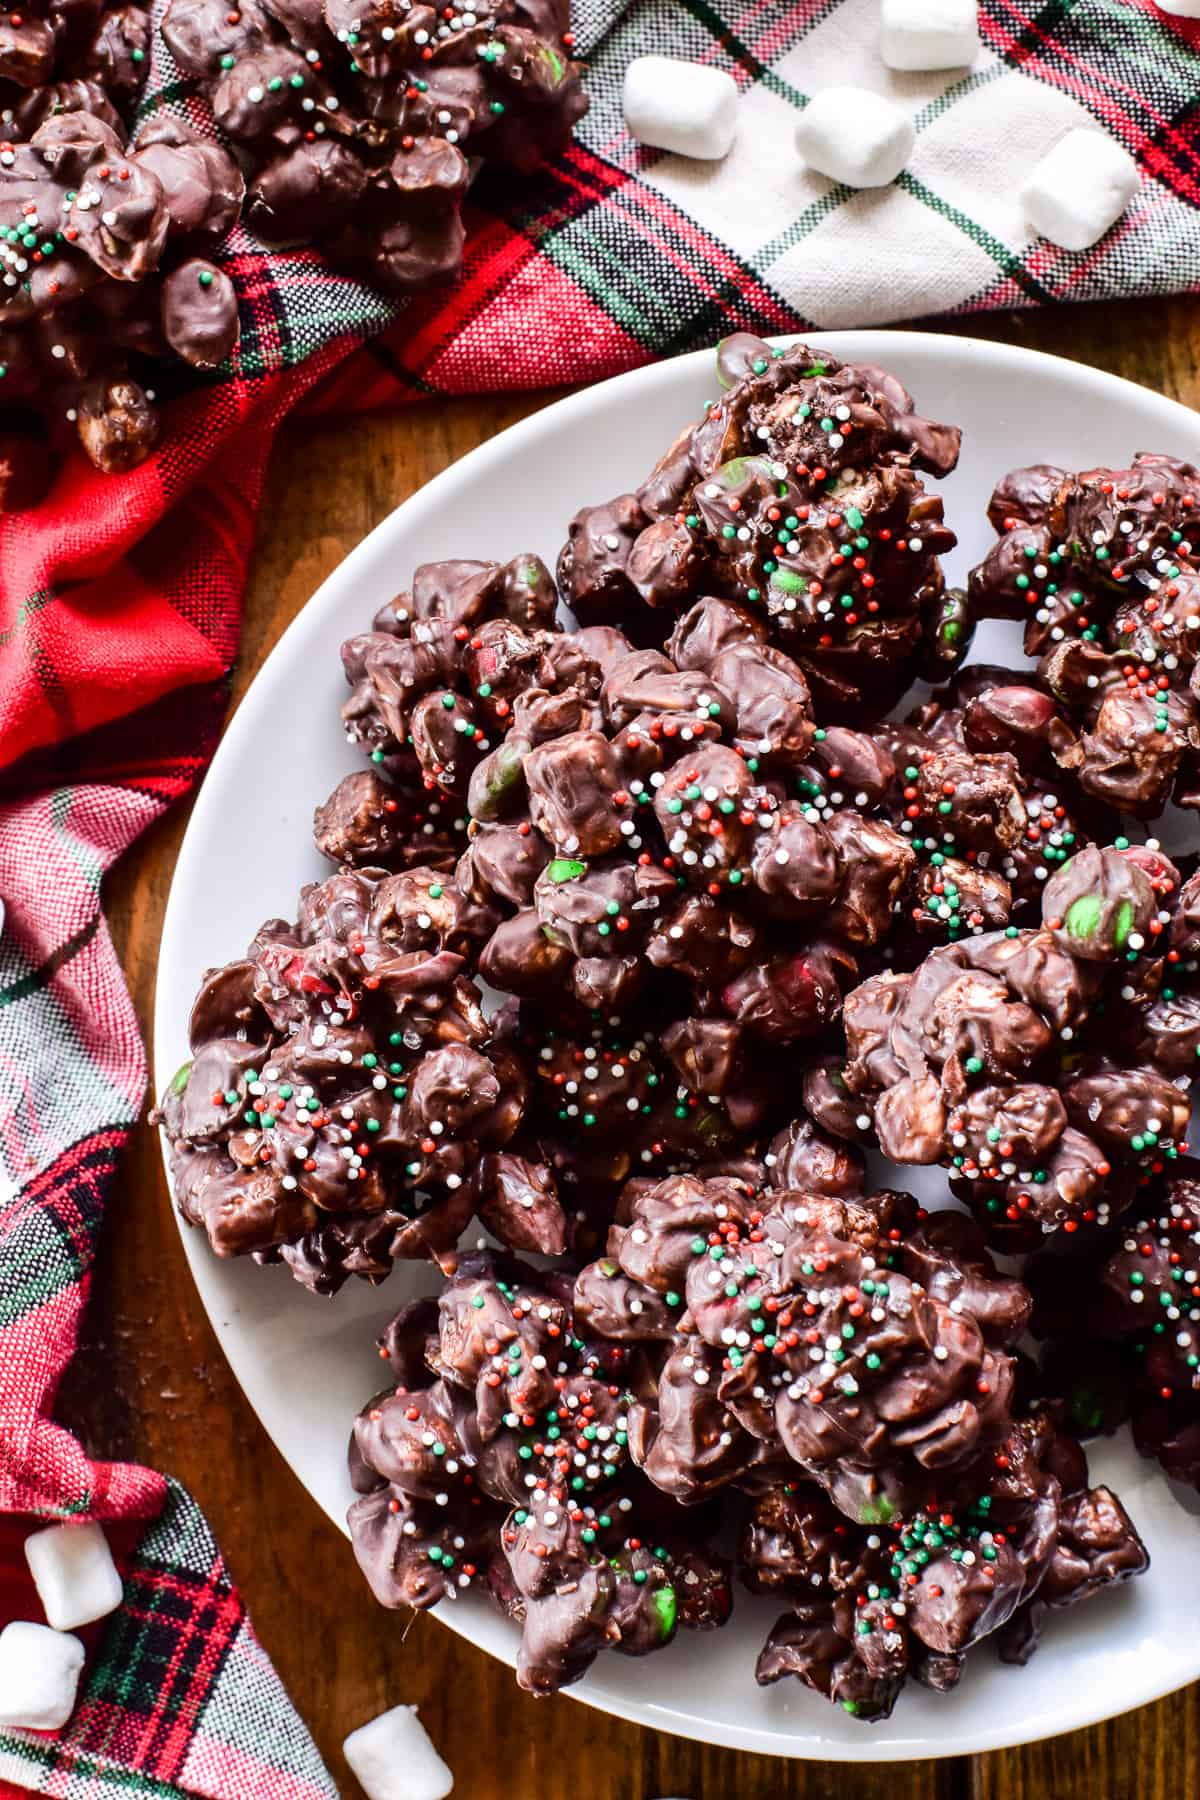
[[119, 610]]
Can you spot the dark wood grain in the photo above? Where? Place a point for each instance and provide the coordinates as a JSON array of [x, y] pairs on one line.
[[153, 1384]]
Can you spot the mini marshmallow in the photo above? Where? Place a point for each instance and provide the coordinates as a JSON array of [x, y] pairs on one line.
[[928, 34], [680, 106], [74, 1573], [855, 136], [39, 1677], [1080, 188], [395, 1760]]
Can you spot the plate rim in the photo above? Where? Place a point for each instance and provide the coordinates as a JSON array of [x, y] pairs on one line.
[[644, 378]]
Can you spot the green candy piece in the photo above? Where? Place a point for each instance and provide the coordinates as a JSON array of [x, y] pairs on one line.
[[1124, 924], [1083, 917], [497, 777], [667, 1608], [179, 1080], [740, 469], [556, 68], [786, 582], [566, 868]]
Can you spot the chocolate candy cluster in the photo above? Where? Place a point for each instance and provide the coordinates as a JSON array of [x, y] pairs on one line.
[[353, 128], [639, 826], [839, 1372], [345, 1094], [433, 684], [1103, 568], [794, 1333], [849, 1364], [1124, 1328], [104, 246], [678, 814], [989, 1555], [360, 122], [971, 1060], [799, 496], [985, 805], [500, 1458]]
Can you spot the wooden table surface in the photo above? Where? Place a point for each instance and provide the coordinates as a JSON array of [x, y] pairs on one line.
[[164, 1395]]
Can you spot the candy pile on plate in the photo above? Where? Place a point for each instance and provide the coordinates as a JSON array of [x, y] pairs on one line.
[[352, 127], [641, 934]]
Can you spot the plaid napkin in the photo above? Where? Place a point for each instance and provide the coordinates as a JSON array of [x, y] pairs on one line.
[[119, 608]]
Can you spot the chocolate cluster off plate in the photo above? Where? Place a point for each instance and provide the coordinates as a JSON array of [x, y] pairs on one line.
[[354, 128], [678, 934]]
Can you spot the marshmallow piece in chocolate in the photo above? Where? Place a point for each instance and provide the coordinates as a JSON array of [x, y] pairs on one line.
[[855, 136], [1080, 188], [688, 108]]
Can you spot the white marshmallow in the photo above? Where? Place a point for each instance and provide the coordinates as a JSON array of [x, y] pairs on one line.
[[39, 1677], [74, 1573], [395, 1760], [855, 136], [928, 34], [1080, 188], [680, 106], [1182, 9]]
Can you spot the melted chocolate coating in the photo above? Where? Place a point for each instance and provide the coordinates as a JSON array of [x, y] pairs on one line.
[[968, 1061], [508, 1452], [1102, 567], [796, 498], [356, 133], [343, 1085]]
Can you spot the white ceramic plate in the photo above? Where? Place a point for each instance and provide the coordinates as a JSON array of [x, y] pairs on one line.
[[307, 1365]]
